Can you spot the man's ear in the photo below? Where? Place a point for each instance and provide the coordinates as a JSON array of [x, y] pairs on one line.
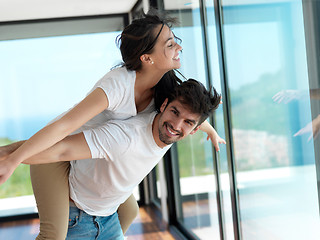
[[195, 130], [164, 104]]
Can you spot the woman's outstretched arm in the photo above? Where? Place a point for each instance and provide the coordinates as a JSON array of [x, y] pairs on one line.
[[89, 107]]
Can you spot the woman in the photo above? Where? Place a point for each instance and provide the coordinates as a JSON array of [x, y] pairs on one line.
[[149, 51]]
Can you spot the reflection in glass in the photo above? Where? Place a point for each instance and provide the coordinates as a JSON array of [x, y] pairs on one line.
[[276, 175]]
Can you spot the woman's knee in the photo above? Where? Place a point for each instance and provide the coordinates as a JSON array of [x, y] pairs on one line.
[[129, 208], [50, 231], [127, 212]]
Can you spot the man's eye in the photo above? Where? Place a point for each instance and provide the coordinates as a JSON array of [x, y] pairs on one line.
[[189, 123]]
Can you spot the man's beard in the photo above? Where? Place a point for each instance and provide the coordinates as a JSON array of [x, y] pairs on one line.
[[164, 138]]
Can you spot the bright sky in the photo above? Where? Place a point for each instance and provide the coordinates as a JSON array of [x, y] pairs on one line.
[[46, 75], [43, 77]]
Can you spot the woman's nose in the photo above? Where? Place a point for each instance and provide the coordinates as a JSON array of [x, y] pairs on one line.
[[179, 48]]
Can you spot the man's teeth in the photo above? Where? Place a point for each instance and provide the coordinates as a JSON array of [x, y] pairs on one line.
[[176, 58], [173, 133]]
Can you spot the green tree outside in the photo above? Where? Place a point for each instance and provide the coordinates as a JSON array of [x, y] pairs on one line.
[[19, 184]]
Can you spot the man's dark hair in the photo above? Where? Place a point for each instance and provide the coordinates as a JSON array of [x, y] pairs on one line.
[[165, 87], [140, 37], [193, 95]]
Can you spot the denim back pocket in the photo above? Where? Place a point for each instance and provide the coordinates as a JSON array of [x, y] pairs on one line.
[[74, 216]]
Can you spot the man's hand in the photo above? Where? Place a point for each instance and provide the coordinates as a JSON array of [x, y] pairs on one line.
[[4, 152], [7, 167], [215, 139], [8, 149], [212, 135]]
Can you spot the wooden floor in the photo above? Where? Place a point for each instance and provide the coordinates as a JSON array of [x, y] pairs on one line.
[[147, 226]]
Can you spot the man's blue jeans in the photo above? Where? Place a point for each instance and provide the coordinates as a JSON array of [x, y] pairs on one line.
[[87, 227]]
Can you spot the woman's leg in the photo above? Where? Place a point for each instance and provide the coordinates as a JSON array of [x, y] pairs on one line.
[[51, 189], [127, 212]]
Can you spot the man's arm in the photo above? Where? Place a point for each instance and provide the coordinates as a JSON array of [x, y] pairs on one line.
[[73, 147]]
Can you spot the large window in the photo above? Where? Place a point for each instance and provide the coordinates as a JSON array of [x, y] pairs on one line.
[[196, 193], [267, 81], [43, 72], [264, 58]]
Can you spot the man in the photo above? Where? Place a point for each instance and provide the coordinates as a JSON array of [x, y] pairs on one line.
[[123, 153]]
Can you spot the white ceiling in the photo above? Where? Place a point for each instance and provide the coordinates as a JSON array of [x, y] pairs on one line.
[[13, 10]]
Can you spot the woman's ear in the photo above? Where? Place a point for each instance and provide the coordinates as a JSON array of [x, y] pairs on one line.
[[145, 58]]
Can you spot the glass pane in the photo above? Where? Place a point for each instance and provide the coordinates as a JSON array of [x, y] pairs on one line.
[[41, 78], [219, 121], [198, 206], [197, 186], [276, 174]]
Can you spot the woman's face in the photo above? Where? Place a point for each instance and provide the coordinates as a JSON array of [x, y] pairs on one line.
[[166, 51]]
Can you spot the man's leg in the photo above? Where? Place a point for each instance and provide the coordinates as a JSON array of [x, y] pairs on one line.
[[51, 189], [109, 227], [81, 225], [87, 227]]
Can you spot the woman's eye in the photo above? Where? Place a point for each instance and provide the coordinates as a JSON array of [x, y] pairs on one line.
[[172, 44]]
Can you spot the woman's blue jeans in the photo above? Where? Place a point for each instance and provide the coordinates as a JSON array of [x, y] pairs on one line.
[[87, 227]]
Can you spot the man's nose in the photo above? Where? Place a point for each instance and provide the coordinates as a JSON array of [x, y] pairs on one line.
[[178, 125]]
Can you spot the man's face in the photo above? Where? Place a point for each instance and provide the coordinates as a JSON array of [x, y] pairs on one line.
[[176, 122]]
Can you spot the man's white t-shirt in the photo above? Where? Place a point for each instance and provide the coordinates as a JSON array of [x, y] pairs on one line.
[[123, 152], [118, 85]]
